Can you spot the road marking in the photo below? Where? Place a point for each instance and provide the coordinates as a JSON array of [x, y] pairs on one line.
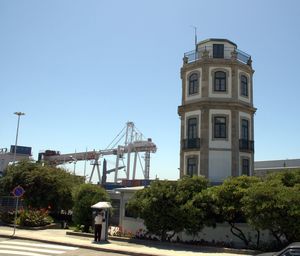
[[5, 252], [62, 247], [32, 249]]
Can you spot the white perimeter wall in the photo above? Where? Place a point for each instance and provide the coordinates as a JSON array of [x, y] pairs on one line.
[[220, 234]]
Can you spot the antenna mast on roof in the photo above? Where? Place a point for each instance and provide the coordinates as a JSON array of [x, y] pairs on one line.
[[195, 30]]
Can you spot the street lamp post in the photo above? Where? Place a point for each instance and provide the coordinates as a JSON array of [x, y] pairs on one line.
[[19, 114]]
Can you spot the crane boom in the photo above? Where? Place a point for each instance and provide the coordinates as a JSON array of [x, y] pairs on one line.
[[134, 143], [136, 146]]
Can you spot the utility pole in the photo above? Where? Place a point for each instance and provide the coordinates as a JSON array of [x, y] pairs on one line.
[[19, 114]]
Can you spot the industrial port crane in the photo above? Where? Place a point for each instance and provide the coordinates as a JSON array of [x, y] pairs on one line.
[[133, 144]]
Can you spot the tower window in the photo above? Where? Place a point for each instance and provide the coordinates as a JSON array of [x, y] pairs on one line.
[[220, 81], [245, 166], [218, 51], [193, 84], [192, 128], [192, 166], [245, 129], [220, 127], [244, 86]]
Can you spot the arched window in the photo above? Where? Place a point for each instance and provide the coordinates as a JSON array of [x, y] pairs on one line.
[[220, 127], [245, 166], [192, 128], [245, 129], [192, 169], [244, 86], [220, 81], [193, 84]]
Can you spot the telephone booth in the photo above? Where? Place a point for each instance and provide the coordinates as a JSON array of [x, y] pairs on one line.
[[103, 206]]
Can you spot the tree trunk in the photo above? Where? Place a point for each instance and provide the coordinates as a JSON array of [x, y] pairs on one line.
[[163, 235], [239, 234], [277, 237], [86, 228], [171, 236], [258, 238]]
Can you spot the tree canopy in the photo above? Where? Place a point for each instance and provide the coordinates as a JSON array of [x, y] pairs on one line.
[[274, 204], [157, 206], [84, 197], [45, 186], [163, 207], [201, 211], [229, 201]]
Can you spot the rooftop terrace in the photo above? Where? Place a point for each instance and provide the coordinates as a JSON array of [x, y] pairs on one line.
[[206, 52]]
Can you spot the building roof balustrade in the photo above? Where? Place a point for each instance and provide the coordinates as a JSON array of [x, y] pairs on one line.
[[207, 52]]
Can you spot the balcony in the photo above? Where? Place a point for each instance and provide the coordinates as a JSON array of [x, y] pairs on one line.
[[207, 52], [191, 143], [246, 145]]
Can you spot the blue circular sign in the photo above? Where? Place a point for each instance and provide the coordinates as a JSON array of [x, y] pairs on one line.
[[18, 191]]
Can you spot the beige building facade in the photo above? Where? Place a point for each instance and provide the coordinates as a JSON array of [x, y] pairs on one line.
[[216, 112]]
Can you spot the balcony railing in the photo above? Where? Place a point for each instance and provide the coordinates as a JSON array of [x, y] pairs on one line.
[[229, 53], [246, 145], [191, 143]]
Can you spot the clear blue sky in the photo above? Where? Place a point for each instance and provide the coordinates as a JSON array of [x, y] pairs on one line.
[[81, 69]]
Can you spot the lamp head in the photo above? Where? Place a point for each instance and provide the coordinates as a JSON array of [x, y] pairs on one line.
[[19, 113]]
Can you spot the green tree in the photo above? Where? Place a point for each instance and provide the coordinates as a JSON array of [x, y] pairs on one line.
[[229, 200], [288, 178], [44, 185], [164, 205], [188, 187], [201, 210], [158, 207], [196, 202], [274, 204], [84, 197]]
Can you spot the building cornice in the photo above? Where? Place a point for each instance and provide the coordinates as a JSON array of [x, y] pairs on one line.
[[215, 62], [216, 104]]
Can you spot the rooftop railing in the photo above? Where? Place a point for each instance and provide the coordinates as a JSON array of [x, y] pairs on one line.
[[207, 52]]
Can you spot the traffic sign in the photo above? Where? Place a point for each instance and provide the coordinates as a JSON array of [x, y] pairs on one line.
[[18, 191]]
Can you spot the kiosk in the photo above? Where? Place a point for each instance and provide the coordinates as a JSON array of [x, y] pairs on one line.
[[103, 206]]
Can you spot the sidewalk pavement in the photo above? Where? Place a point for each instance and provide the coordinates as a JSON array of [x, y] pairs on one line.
[[123, 246]]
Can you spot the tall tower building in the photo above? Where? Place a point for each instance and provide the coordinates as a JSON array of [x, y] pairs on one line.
[[217, 134]]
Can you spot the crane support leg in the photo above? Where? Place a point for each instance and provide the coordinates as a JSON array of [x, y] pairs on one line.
[[128, 165], [134, 165]]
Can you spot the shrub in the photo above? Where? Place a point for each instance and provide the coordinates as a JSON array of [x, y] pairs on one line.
[[34, 218], [84, 197], [8, 217]]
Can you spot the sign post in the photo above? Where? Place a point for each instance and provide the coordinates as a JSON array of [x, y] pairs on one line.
[[18, 191]]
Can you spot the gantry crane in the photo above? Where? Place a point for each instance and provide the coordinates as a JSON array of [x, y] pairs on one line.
[[133, 144]]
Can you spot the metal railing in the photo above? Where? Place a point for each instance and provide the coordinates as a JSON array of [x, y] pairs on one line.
[[246, 145], [8, 203], [191, 143], [197, 55]]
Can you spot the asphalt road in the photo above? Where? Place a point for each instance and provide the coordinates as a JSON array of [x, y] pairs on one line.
[[19, 247]]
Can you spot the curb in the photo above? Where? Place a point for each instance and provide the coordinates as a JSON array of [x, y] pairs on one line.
[[50, 226], [195, 248], [81, 246], [157, 244]]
